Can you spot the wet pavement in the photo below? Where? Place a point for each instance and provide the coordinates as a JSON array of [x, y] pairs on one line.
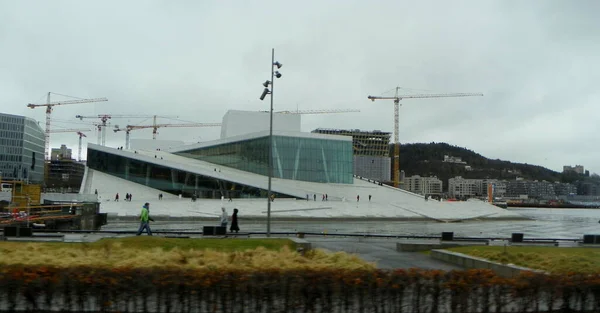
[[382, 252]]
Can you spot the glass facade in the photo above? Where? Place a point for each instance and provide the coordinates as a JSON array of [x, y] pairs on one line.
[[21, 149], [170, 180], [308, 159]]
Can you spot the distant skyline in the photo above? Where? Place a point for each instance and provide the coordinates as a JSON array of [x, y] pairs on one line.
[[536, 62]]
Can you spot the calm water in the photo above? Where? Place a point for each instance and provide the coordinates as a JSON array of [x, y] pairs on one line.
[[544, 223]]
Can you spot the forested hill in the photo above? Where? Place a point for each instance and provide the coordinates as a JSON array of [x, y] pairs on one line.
[[426, 159]]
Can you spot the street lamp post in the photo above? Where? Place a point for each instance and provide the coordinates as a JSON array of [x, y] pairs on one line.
[[266, 92]]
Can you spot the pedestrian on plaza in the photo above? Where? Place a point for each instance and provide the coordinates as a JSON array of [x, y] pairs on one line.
[[315, 197], [326, 197], [224, 218], [357, 198], [130, 195], [145, 220], [369, 198], [234, 222], [117, 197]]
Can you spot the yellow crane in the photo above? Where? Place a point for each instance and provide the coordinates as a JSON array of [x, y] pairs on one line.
[[397, 97], [49, 105]]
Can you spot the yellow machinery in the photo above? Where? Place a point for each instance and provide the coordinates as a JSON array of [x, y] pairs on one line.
[[23, 194]]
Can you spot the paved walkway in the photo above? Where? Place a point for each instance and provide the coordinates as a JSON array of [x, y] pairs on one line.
[[381, 251]]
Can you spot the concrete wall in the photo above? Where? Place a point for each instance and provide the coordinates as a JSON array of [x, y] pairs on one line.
[[468, 262], [372, 167], [73, 197], [237, 123]]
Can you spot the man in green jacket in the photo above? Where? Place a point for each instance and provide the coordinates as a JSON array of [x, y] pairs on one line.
[[145, 220]]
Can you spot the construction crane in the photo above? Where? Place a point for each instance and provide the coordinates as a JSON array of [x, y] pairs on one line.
[[155, 128], [104, 119], [397, 97], [79, 132], [318, 111], [49, 105]]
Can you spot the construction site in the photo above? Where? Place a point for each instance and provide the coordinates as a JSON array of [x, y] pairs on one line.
[[370, 150]]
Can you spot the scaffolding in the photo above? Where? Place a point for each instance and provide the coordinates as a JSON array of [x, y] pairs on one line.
[[365, 143]]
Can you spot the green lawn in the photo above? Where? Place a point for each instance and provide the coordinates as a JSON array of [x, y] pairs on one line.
[[551, 259]]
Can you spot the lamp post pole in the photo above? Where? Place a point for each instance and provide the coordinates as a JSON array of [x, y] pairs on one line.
[[270, 168]]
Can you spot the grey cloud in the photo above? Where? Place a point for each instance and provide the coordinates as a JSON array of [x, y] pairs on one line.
[[537, 63]]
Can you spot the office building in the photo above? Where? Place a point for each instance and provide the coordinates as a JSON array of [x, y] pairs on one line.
[[21, 149]]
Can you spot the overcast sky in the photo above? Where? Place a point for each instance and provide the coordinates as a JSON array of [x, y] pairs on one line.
[[537, 62]]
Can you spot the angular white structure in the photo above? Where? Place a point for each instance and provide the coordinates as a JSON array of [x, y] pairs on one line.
[[312, 178]]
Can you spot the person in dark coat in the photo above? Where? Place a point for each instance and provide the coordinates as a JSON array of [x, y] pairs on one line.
[[234, 222]]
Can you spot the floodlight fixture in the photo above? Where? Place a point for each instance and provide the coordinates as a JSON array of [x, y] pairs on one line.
[[264, 94], [267, 83], [277, 74], [279, 65]]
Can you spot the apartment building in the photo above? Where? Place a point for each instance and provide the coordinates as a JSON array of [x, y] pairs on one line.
[[498, 187], [564, 189], [461, 187], [577, 169], [423, 185]]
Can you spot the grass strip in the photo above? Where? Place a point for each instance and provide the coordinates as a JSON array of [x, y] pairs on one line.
[[157, 252], [551, 259]]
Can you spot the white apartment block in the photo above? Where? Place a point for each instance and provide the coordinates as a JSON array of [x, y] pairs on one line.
[[459, 186], [423, 185], [451, 159]]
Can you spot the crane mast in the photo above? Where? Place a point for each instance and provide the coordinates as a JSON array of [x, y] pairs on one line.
[[49, 105], [80, 134], [396, 98]]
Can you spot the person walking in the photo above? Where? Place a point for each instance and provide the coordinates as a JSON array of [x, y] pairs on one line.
[[145, 220], [234, 222], [117, 197], [224, 218]]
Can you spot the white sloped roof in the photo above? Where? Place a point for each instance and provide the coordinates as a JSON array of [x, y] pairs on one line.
[[386, 201]]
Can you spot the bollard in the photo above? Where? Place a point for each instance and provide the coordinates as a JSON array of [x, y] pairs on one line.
[[447, 236], [517, 237]]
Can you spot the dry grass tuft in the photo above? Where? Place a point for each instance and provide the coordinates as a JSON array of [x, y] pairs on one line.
[[148, 252]]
